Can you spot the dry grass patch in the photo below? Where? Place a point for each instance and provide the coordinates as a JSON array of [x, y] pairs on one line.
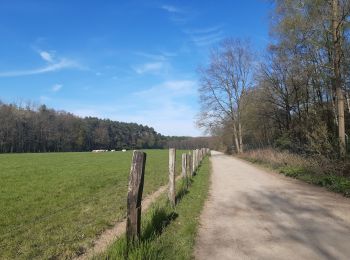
[[319, 170]]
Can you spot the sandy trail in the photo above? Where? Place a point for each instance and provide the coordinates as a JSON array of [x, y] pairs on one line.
[[255, 214]]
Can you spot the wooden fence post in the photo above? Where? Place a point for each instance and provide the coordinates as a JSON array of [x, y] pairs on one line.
[[135, 189], [184, 168], [171, 192], [193, 162], [199, 155], [198, 158], [189, 164]]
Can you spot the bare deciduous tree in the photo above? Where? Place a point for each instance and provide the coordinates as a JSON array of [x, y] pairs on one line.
[[223, 84]]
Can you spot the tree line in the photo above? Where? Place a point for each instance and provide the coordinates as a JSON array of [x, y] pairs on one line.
[[41, 129], [192, 143], [295, 96]]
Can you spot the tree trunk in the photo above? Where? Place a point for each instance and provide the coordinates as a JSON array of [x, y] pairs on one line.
[[240, 137], [235, 136], [337, 31]]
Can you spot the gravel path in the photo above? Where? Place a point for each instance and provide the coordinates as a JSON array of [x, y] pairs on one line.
[[255, 214]]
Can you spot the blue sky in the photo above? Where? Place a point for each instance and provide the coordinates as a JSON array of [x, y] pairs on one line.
[[132, 61]]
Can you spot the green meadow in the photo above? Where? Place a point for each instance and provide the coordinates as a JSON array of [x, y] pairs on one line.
[[53, 205]]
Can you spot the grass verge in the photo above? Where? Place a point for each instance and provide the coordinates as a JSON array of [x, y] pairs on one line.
[[168, 233], [317, 171]]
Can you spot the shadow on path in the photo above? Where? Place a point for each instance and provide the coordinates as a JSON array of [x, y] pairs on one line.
[[281, 220]]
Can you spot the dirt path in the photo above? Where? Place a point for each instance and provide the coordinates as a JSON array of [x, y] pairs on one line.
[[255, 214], [106, 238]]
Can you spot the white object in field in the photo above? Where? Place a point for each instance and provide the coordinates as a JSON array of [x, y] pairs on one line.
[[112, 150], [99, 151], [123, 150]]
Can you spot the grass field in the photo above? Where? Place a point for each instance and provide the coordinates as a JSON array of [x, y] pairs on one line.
[[168, 233], [53, 205]]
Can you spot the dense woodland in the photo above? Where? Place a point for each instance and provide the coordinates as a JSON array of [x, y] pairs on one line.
[[295, 96], [30, 129]]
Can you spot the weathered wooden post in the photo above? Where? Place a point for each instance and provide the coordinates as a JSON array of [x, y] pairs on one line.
[[135, 189], [189, 164], [199, 156], [184, 168], [171, 192], [193, 162]]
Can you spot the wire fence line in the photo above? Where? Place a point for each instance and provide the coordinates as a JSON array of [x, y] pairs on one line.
[[77, 233]]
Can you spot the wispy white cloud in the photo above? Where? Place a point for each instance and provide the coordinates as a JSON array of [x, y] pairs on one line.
[[171, 9], [199, 36], [180, 86], [179, 16], [206, 36], [56, 87], [159, 56], [52, 65], [205, 30], [209, 39], [169, 90], [150, 67], [46, 56]]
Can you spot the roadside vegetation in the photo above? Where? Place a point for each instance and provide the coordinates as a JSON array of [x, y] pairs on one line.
[[318, 170], [168, 233], [53, 205]]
